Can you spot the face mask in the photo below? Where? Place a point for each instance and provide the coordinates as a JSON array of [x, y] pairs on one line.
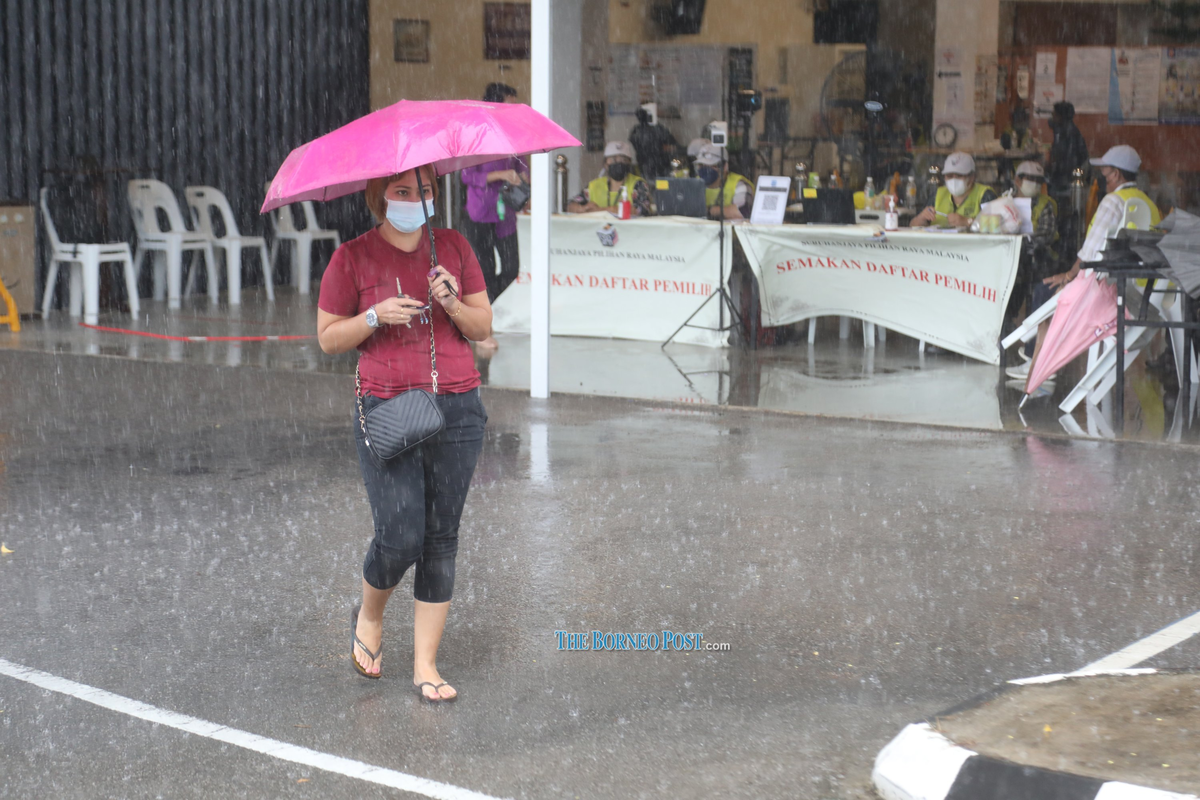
[[707, 174], [407, 217], [618, 172], [956, 186], [1030, 188]]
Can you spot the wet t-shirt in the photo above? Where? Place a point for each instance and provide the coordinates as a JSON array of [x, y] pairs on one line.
[[395, 358]]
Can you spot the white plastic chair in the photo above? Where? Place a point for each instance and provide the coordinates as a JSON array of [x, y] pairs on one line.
[[146, 198], [844, 331], [286, 230], [1101, 374], [84, 261], [203, 200]]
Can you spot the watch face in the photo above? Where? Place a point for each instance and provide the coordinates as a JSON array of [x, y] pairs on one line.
[[372, 318]]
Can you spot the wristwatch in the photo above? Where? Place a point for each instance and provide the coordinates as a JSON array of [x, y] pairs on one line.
[[372, 318]]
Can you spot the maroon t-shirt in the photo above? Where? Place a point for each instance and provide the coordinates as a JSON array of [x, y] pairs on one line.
[[395, 358]]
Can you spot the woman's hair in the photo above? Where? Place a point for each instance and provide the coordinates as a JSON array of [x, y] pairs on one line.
[[377, 187], [496, 92]]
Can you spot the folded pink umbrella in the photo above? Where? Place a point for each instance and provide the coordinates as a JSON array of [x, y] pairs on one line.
[[449, 134], [1086, 313]]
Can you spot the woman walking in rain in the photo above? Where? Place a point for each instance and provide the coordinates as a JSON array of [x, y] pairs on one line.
[[416, 497]]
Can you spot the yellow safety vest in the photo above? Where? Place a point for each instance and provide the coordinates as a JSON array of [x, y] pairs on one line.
[[943, 203], [731, 183], [1129, 193], [1043, 201], [600, 192]]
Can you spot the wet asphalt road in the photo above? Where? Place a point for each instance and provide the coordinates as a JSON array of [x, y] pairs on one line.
[[191, 536]]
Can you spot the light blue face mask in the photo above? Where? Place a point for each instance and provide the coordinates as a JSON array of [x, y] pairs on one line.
[[407, 217]]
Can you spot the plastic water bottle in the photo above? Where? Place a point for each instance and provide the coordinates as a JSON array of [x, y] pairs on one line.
[[500, 207], [910, 192], [869, 191]]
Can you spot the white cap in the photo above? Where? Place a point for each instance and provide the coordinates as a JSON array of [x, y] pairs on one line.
[[1031, 168], [959, 163], [708, 155], [1122, 157], [618, 147], [694, 147]]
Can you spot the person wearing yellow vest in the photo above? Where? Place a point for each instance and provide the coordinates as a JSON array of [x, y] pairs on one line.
[[725, 192], [603, 193], [957, 203], [1039, 257], [1119, 168]]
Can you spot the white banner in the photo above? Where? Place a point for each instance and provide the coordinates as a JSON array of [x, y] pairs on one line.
[[948, 289], [623, 279]]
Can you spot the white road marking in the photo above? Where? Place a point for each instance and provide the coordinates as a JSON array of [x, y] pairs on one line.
[[250, 741], [1149, 647]]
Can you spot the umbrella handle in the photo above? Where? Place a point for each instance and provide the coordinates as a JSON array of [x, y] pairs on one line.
[[425, 212]]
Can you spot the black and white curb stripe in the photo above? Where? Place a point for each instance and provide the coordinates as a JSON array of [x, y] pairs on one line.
[[922, 764]]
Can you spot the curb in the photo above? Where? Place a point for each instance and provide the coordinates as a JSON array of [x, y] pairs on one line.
[[922, 764]]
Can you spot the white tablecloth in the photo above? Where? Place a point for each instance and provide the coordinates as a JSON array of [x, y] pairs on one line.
[[948, 289], [624, 279]]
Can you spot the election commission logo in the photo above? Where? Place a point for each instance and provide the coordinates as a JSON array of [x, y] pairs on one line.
[[607, 235]]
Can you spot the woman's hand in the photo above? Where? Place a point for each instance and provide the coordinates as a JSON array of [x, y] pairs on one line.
[[958, 220], [924, 218], [442, 282], [397, 310], [507, 175]]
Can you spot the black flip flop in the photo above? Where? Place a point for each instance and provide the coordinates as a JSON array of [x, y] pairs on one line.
[[425, 697], [354, 640]]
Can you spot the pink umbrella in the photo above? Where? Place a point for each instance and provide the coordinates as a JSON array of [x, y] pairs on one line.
[[449, 134], [1086, 313]]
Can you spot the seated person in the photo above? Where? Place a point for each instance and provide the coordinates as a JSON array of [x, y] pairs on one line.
[[957, 203], [1039, 256], [1119, 168], [604, 192], [735, 192], [693, 150]]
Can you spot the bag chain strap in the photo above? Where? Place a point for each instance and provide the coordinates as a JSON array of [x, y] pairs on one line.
[[433, 373]]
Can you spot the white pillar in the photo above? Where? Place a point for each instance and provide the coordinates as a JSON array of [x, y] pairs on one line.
[[542, 181]]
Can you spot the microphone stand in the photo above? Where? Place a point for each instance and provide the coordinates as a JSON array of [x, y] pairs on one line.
[[724, 301]]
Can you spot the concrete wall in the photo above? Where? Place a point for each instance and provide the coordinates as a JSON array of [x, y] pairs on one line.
[[456, 68]]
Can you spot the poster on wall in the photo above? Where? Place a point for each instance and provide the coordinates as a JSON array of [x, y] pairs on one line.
[[986, 69], [1046, 90], [952, 104], [1088, 78], [673, 77], [1179, 86], [1133, 85]]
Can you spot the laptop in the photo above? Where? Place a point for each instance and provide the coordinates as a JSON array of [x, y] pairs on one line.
[[829, 206], [680, 197]]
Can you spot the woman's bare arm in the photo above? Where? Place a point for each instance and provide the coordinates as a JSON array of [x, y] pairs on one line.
[[473, 316], [342, 334]]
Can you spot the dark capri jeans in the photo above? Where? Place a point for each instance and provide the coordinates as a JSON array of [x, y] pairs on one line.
[[417, 499]]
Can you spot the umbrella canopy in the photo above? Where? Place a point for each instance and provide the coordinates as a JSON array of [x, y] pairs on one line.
[[449, 134], [1086, 313]]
